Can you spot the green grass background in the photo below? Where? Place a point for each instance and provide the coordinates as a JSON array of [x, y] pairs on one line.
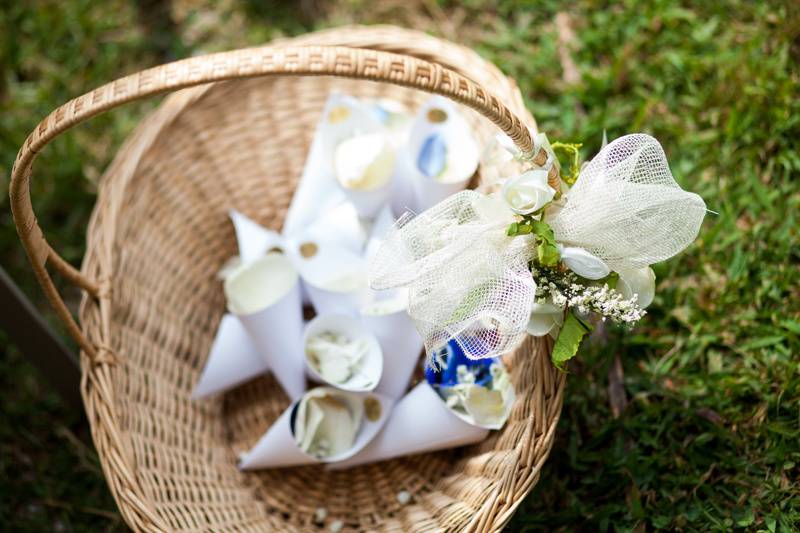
[[708, 437]]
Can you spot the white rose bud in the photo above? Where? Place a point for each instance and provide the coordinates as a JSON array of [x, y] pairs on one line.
[[583, 263], [546, 319], [640, 281], [528, 192]]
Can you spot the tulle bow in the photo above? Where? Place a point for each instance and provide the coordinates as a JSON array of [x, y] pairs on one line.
[[470, 282]]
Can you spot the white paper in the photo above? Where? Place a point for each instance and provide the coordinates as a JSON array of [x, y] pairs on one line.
[[276, 327], [335, 278], [380, 227], [254, 240], [318, 190], [277, 448], [463, 154], [402, 347], [368, 377], [420, 422], [233, 359]]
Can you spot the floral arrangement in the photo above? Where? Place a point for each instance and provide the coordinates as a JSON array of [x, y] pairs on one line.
[[540, 254]]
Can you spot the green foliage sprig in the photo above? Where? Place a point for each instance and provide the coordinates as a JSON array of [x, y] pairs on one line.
[[572, 150]]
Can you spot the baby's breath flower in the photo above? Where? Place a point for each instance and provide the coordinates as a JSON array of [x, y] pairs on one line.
[[565, 290]]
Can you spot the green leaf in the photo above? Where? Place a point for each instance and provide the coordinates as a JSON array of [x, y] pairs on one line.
[[569, 338], [524, 229], [612, 280], [512, 230], [543, 230], [548, 254]]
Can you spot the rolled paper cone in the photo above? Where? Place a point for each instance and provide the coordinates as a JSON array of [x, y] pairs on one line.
[[420, 422], [334, 277], [265, 296], [327, 301], [439, 118], [369, 375], [278, 448], [339, 225], [403, 198], [401, 345], [380, 227], [317, 190], [364, 167], [233, 359], [254, 240], [367, 203]]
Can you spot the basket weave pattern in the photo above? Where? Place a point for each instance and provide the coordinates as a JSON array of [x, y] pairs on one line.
[[160, 233]]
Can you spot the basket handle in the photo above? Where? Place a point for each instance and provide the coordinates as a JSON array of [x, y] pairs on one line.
[[361, 63]]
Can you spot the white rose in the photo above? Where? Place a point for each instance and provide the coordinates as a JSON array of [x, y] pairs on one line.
[[491, 208], [528, 192], [364, 162], [546, 319], [583, 263], [641, 282]]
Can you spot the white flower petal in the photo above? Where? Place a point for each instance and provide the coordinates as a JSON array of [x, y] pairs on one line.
[[546, 318], [492, 208], [641, 281], [528, 192], [327, 422], [583, 263], [364, 162], [484, 406]]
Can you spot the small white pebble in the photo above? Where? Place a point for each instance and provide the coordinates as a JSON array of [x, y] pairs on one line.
[[320, 514], [336, 526], [403, 497]]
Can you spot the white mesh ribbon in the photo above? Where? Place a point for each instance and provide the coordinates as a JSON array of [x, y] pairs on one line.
[[626, 207], [467, 280], [470, 282]]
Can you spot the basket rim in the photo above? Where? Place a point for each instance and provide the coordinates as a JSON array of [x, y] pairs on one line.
[[116, 458]]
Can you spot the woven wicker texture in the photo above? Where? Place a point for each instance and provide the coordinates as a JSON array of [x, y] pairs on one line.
[[159, 234]]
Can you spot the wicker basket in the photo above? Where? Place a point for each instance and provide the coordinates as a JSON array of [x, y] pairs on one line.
[[237, 136]]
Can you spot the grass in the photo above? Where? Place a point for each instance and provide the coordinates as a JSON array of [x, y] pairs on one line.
[[697, 429]]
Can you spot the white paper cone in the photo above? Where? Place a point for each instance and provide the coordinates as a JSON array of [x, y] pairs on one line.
[[318, 190], [368, 377], [420, 422], [277, 448], [339, 226], [401, 345], [254, 240], [368, 203], [439, 116], [380, 227], [404, 197], [265, 295], [335, 278], [233, 359]]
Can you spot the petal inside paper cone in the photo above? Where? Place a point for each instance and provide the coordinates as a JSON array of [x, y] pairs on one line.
[[327, 421], [477, 391], [341, 351], [441, 155], [281, 444], [257, 285]]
